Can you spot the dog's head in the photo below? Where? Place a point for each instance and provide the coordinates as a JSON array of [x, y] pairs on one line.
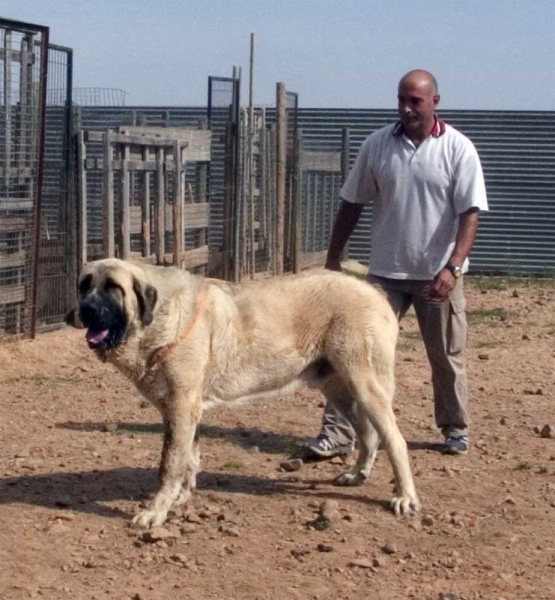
[[114, 300]]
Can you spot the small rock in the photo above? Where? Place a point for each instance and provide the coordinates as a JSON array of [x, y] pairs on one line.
[[546, 431], [228, 530], [291, 465], [64, 501], [109, 427], [483, 356], [57, 528], [361, 563], [144, 404], [193, 518], [187, 528], [427, 520], [510, 500], [158, 534], [91, 563], [324, 548], [379, 561], [390, 548], [526, 337]]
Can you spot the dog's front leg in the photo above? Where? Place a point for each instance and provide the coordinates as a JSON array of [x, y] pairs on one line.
[[180, 460]]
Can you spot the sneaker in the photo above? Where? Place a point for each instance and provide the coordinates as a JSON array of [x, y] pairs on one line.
[[455, 444], [325, 447]]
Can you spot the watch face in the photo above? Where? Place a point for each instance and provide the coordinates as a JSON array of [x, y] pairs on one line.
[[457, 272]]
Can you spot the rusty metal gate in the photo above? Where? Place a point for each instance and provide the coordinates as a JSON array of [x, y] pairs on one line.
[[23, 76]]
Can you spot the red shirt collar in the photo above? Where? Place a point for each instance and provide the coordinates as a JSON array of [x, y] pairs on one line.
[[437, 129]]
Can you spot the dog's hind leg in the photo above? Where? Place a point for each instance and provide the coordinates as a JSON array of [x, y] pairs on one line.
[[368, 439], [376, 402], [180, 460]]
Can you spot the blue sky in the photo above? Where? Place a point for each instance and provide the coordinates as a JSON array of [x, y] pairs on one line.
[[486, 54]]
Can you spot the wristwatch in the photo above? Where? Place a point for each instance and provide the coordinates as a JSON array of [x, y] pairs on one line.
[[455, 271]]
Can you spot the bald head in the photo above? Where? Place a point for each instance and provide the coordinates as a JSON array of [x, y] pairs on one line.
[[418, 98], [420, 78]]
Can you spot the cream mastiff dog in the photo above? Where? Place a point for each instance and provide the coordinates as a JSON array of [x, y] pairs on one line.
[[188, 342]]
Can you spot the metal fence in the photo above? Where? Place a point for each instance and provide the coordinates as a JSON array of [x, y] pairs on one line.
[[23, 73], [57, 256], [517, 150]]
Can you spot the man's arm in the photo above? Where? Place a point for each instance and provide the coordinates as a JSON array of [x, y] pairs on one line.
[[344, 225], [444, 281]]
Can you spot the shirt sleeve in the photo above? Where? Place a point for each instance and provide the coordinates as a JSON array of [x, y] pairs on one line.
[[470, 188], [360, 185]]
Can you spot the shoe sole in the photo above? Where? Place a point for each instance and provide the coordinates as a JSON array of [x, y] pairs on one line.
[[453, 452], [329, 453]]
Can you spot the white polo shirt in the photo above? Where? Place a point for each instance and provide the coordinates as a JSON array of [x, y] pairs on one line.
[[418, 194]]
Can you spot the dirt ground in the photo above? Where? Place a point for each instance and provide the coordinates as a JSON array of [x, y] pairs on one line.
[[80, 450]]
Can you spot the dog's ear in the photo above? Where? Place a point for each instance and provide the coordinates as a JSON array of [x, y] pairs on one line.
[[72, 318], [146, 297]]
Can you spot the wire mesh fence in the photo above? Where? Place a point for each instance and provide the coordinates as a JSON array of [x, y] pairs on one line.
[[57, 257], [23, 55]]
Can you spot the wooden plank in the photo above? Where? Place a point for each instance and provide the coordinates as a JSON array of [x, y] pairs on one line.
[[12, 224], [136, 140], [108, 200], [281, 150], [145, 212], [190, 259], [197, 216], [329, 162], [176, 208], [198, 140], [16, 204], [13, 260], [159, 227], [82, 201], [133, 164], [20, 172], [125, 237], [12, 294]]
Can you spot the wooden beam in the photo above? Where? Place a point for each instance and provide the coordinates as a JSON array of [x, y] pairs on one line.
[[82, 201], [281, 149], [176, 208], [160, 203], [198, 140], [125, 237], [190, 259], [108, 200], [145, 212], [197, 216]]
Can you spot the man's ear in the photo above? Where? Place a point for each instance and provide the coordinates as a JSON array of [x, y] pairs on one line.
[[146, 297], [72, 318]]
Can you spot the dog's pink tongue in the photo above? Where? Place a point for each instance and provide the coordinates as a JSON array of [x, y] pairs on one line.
[[95, 337]]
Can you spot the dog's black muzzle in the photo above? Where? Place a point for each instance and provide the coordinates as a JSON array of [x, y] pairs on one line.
[[104, 319]]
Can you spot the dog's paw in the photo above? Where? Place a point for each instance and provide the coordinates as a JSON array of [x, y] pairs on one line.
[[149, 518], [405, 504], [350, 478]]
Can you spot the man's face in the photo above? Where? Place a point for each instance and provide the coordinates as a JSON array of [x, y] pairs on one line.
[[417, 104]]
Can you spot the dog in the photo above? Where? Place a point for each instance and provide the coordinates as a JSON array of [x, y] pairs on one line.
[[188, 342]]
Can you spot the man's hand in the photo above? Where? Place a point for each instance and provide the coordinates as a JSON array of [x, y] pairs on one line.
[[333, 264], [443, 284]]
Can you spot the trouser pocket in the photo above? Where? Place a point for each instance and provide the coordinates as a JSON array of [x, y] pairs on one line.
[[458, 328]]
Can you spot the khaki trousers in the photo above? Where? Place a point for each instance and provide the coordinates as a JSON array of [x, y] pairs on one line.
[[443, 327]]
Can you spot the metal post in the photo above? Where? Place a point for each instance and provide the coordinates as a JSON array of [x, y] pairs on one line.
[[281, 150]]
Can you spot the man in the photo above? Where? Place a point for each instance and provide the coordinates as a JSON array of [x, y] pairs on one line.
[[426, 184]]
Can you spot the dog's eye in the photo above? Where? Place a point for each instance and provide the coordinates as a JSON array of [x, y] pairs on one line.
[[85, 284], [112, 286]]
